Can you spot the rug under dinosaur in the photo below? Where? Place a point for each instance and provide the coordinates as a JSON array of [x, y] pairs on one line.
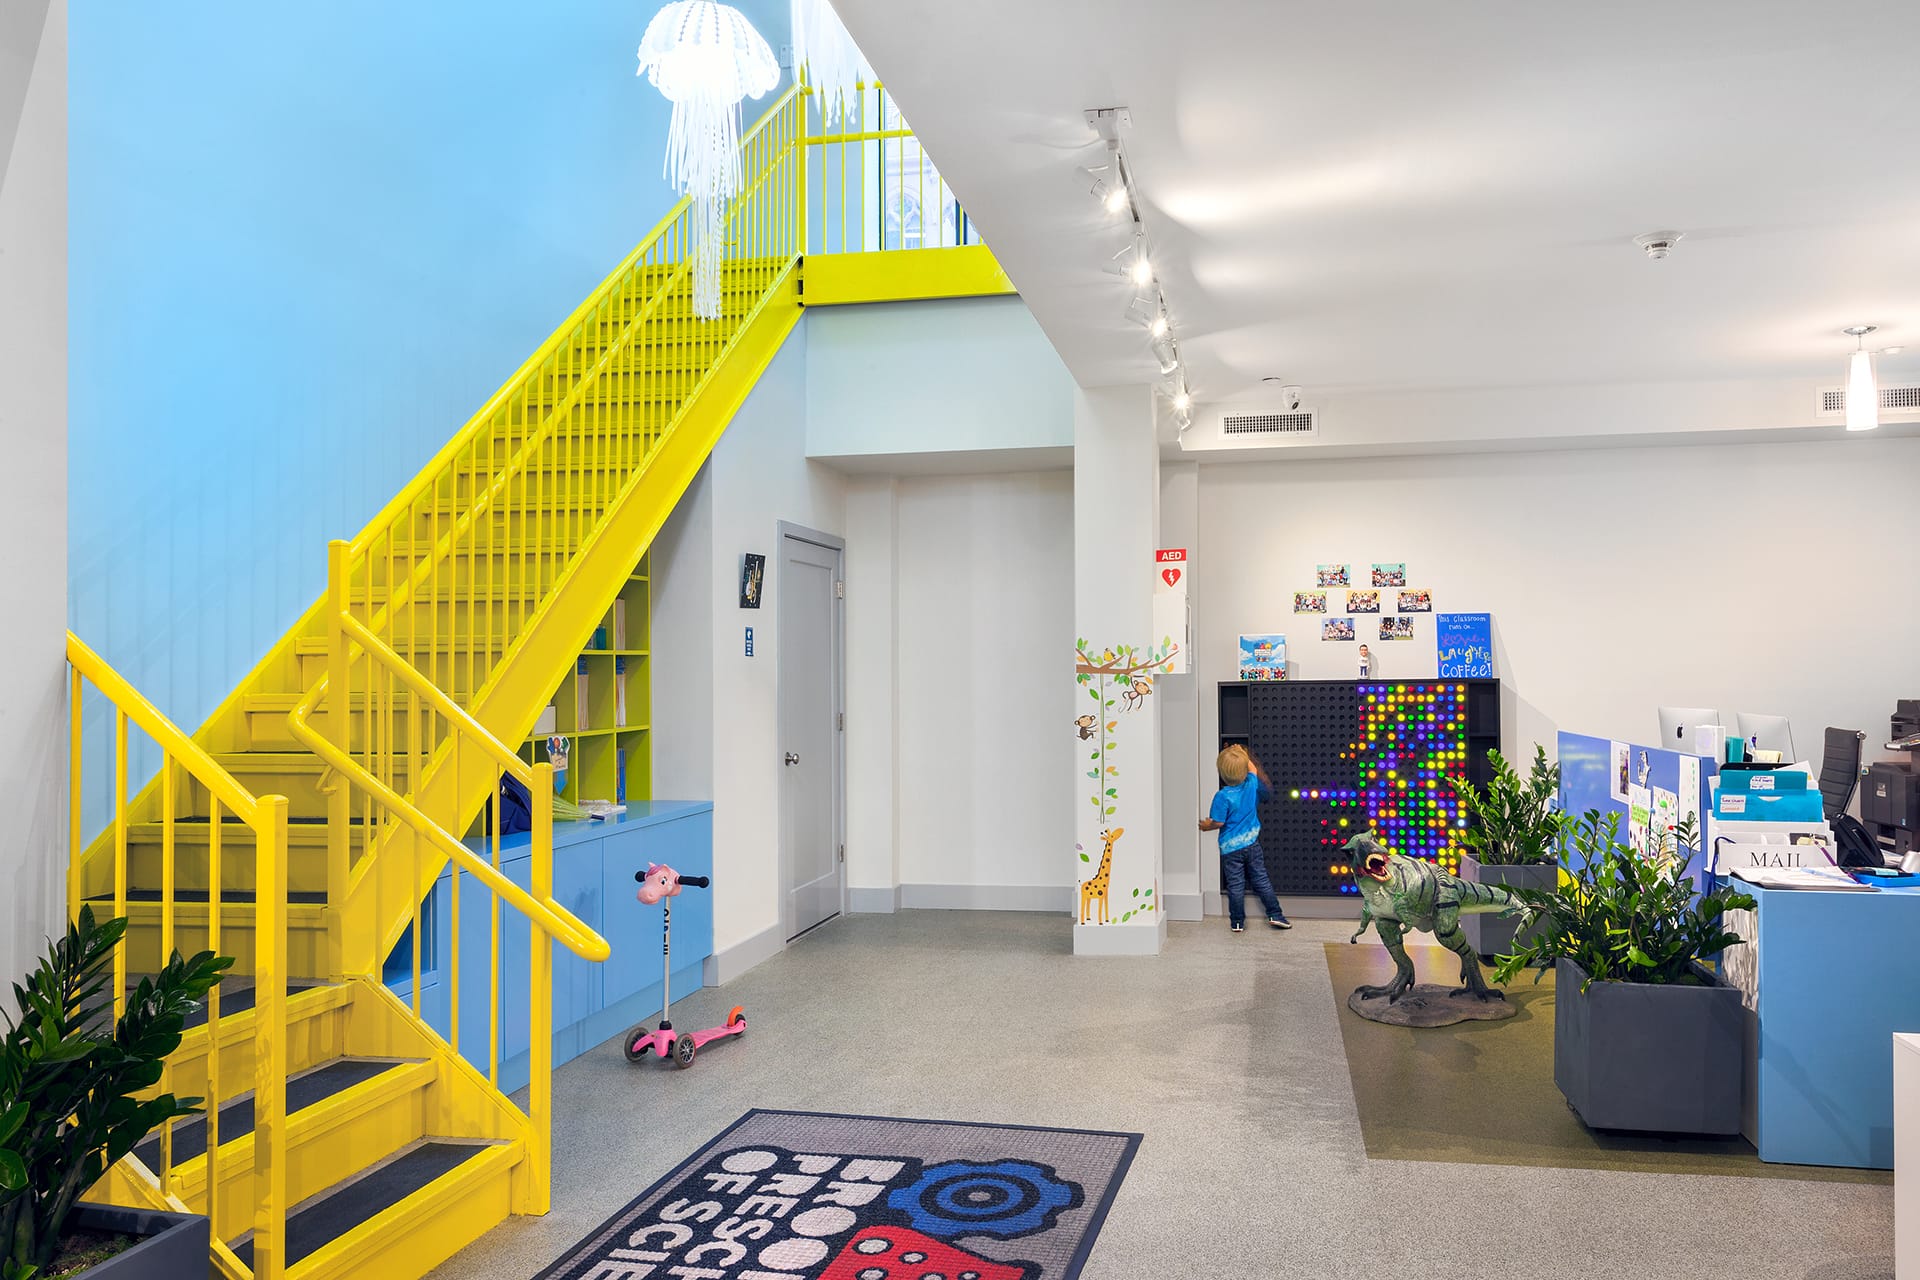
[[801, 1195]]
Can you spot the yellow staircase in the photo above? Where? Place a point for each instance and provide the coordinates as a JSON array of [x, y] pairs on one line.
[[300, 828]]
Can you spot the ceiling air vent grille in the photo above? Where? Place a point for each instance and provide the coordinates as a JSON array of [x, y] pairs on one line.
[[1898, 399], [1268, 424]]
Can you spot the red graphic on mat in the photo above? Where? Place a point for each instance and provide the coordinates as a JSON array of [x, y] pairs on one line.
[[900, 1253]]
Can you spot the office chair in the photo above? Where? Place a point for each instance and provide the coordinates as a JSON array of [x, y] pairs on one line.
[[1840, 771]]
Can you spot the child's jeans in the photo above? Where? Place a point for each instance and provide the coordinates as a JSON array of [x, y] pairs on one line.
[[1236, 869]]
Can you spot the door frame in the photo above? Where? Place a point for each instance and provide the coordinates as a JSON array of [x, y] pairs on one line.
[[786, 531]]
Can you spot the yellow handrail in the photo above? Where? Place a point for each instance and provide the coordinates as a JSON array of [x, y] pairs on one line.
[[549, 916], [482, 420], [267, 817]]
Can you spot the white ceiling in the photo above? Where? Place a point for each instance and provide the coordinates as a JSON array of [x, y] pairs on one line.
[[1406, 195]]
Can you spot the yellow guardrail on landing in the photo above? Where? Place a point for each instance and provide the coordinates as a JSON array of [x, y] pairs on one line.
[[266, 816]]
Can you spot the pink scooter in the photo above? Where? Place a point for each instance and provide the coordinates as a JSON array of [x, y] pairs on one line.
[[657, 884]]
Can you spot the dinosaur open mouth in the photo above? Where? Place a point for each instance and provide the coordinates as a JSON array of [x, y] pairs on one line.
[[1375, 866]]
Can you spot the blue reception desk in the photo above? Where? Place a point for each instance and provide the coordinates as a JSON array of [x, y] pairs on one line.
[[593, 868], [1836, 981]]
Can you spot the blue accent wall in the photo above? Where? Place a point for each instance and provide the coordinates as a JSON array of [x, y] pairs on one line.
[[306, 233]]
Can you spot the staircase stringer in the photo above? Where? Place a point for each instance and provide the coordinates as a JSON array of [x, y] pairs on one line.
[[378, 905]]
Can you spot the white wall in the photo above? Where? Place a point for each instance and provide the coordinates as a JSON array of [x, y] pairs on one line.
[[873, 664], [985, 599], [950, 377], [33, 484], [1618, 579], [757, 477]]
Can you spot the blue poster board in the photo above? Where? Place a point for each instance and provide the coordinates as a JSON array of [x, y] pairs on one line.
[[1587, 781], [1465, 644]]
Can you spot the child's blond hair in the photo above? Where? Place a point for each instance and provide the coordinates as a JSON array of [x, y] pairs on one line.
[[1233, 764]]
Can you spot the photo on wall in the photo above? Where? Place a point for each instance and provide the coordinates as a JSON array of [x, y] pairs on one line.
[[1618, 774], [1309, 602], [753, 575], [1337, 629], [1263, 657], [1415, 602], [1390, 575], [1363, 602], [1396, 628], [1333, 575]]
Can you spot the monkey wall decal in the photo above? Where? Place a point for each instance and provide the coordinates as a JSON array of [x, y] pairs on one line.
[[1084, 725], [1136, 692]]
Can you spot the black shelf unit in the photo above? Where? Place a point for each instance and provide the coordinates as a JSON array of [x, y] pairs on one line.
[[1346, 756]]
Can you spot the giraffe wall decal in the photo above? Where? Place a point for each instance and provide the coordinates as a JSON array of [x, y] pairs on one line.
[[1096, 887]]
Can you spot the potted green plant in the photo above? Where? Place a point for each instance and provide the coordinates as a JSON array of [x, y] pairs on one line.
[[69, 1073], [1645, 1036], [1513, 841]]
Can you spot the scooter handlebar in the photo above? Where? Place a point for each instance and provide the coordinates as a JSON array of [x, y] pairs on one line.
[[692, 882]]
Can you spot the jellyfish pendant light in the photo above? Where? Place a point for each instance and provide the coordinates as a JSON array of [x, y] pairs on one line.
[[705, 58], [833, 64]]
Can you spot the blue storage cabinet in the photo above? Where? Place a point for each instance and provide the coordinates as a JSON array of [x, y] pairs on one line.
[[593, 877]]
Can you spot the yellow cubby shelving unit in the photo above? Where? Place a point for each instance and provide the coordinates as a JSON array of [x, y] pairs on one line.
[[599, 735]]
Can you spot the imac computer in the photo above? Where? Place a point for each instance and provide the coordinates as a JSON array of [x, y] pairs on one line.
[[1678, 723], [1768, 733]]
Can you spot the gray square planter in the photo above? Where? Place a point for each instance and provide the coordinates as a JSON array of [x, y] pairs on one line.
[[172, 1246], [1654, 1059], [1494, 935]]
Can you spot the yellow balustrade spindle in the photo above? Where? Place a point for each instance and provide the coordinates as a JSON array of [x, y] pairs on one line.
[[215, 1096], [119, 855], [340, 793], [540, 1003], [168, 885], [76, 778], [269, 1040]]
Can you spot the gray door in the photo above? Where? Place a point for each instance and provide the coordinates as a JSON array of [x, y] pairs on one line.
[[809, 734]]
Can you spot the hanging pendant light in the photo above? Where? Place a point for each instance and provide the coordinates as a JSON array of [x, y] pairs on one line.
[[705, 58], [1863, 392], [833, 65]]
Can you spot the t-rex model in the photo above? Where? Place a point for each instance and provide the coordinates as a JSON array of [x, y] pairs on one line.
[[1399, 893]]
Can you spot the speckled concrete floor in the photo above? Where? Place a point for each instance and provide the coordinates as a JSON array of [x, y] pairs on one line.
[[1225, 1052]]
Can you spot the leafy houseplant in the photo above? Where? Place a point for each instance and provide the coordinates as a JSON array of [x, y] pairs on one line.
[[1644, 1036], [68, 1073], [1625, 916], [1512, 842], [1515, 823]]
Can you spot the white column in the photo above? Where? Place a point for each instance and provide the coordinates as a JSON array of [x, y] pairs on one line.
[[33, 491], [873, 737], [1115, 789], [1182, 754]]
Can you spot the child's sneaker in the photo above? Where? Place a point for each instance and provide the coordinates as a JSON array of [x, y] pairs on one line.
[[1280, 922], [1239, 928]]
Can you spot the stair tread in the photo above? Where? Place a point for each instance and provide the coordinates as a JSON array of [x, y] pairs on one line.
[[295, 897], [327, 1217], [236, 998], [308, 1089]]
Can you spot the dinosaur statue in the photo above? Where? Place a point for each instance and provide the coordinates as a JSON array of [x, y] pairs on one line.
[[1398, 893]]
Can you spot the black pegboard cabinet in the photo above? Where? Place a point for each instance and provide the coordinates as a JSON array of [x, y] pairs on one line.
[[1311, 736]]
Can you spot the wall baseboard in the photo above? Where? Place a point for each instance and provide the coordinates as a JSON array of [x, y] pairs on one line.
[[723, 967], [1120, 939], [1184, 906], [875, 901], [986, 897]]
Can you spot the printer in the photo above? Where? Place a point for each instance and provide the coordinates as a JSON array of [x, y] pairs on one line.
[[1890, 792]]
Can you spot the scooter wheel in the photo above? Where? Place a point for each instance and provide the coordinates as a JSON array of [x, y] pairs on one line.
[[737, 1018], [636, 1043], [683, 1051]]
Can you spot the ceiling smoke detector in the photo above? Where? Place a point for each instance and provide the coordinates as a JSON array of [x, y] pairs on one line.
[[1658, 244]]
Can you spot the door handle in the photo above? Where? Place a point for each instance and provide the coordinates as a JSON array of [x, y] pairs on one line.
[[792, 758]]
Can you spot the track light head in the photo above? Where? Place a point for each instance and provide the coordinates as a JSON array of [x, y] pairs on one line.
[[1167, 354]]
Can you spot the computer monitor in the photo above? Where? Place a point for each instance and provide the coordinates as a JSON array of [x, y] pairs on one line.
[[1768, 733], [1678, 723]]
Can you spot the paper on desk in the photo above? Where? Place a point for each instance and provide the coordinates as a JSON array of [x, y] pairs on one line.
[[1826, 878]]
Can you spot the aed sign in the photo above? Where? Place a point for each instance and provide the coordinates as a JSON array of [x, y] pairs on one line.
[[1171, 616]]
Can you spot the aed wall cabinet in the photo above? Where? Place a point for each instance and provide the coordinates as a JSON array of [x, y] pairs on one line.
[[1347, 756], [593, 877]]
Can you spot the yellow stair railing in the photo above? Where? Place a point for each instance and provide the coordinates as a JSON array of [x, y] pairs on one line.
[[189, 924]]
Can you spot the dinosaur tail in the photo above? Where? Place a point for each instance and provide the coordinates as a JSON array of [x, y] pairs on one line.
[[1487, 899]]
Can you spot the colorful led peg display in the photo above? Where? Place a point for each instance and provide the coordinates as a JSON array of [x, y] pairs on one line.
[[1347, 757]]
